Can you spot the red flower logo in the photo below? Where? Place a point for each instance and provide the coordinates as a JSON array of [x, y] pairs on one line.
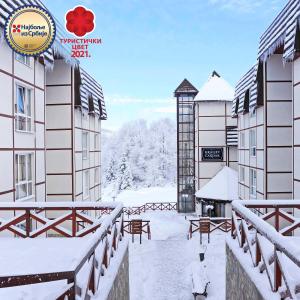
[[16, 28], [80, 21]]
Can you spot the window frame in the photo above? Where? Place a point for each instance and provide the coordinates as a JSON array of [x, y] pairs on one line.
[[86, 184], [253, 183], [28, 180], [242, 174], [96, 141], [97, 175], [19, 58], [25, 116], [252, 142], [242, 139], [85, 145]]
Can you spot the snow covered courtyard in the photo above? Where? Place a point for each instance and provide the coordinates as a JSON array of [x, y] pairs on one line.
[[160, 269], [133, 198]]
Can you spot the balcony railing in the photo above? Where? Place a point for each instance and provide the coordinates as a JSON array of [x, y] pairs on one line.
[[267, 231], [74, 219]]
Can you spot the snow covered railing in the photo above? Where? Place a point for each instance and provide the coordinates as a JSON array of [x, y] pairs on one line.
[[150, 206], [222, 224], [82, 276], [66, 219], [272, 241]]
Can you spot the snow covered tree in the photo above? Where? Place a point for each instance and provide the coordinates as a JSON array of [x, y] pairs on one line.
[[124, 176], [139, 156]]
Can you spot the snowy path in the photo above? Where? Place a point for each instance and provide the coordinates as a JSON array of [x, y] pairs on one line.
[[164, 278], [160, 268]]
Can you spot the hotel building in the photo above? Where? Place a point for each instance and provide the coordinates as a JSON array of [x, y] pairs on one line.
[[268, 113], [50, 118]]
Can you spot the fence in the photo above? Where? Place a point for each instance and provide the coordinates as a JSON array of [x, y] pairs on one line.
[[222, 224], [99, 249], [268, 239], [150, 206]]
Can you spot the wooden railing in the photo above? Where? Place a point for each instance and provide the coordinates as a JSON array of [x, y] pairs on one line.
[[64, 218], [222, 224], [145, 228], [107, 232], [167, 206], [270, 241]]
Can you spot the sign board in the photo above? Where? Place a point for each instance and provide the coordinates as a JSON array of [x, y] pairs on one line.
[[212, 154]]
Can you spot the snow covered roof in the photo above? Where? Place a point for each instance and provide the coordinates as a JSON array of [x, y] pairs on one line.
[[215, 89], [222, 187], [245, 88], [282, 32]]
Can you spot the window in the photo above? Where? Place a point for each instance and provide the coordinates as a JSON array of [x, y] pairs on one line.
[[23, 109], [85, 143], [246, 101], [23, 59], [86, 184], [96, 141], [97, 173], [237, 103], [242, 139], [253, 142], [252, 183], [242, 174], [253, 112], [23, 176]]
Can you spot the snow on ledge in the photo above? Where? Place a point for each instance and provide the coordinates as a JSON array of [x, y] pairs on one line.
[[70, 204], [260, 280], [281, 242]]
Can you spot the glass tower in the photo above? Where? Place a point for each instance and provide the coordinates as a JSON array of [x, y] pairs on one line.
[[185, 94]]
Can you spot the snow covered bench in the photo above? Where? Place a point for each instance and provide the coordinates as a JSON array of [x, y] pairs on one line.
[[200, 280]]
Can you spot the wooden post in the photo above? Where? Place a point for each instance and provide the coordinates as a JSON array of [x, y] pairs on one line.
[[257, 252], [243, 237], [277, 273], [74, 229], [92, 279], [277, 225], [232, 227], [27, 221]]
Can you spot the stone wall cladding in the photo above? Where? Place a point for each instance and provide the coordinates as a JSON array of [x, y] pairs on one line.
[[239, 286], [120, 288]]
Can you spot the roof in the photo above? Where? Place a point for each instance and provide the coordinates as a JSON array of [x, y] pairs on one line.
[[281, 32], [91, 95], [222, 187], [246, 83], [7, 6], [215, 89], [185, 87]]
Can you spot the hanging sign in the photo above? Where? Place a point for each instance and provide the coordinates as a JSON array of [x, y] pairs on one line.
[[212, 154]]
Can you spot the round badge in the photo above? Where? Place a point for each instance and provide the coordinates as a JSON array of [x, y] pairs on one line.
[[30, 30]]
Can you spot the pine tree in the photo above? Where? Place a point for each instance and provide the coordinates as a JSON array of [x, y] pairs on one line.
[[124, 174]]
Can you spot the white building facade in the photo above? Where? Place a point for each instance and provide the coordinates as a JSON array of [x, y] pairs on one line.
[[50, 117], [267, 108]]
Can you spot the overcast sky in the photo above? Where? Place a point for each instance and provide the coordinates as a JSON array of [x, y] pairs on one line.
[[150, 46]]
